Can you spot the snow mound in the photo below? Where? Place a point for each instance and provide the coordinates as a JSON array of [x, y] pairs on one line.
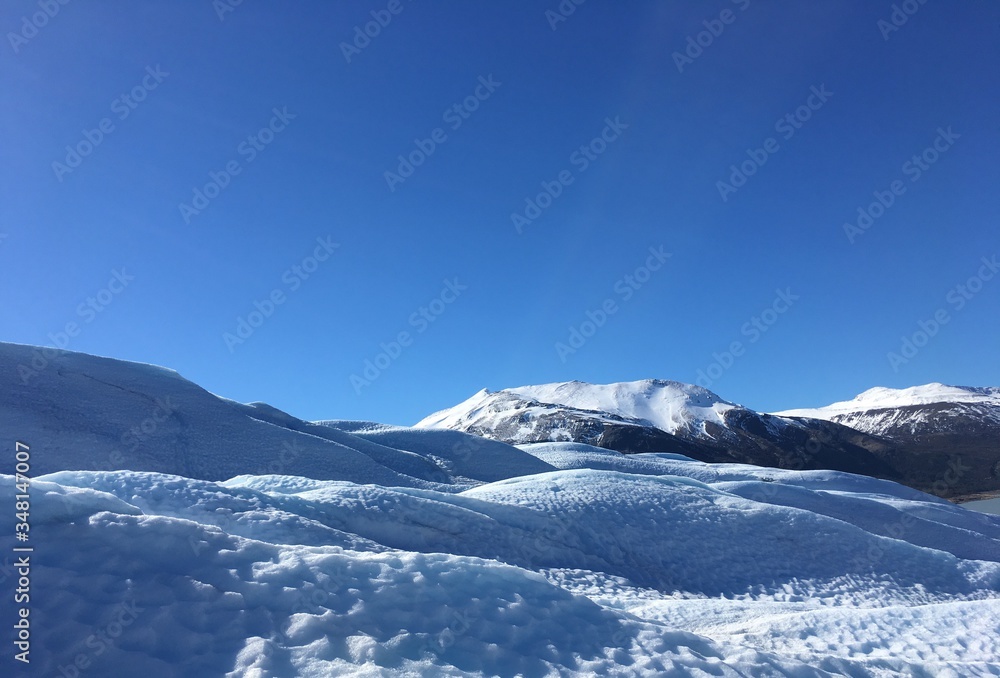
[[156, 595], [663, 566], [461, 456], [93, 413]]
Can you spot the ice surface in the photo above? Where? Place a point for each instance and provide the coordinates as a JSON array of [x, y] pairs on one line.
[[577, 571], [101, 414]]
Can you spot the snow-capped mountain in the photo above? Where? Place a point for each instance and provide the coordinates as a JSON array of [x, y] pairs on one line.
[[915, 410], [670, 406], [663, 416], [951, 434]]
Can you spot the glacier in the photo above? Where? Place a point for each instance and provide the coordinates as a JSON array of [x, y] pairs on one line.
[[236, 540]]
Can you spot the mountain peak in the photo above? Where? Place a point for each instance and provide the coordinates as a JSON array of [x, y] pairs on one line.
[[666, 405], [884, 398], [925, 394]]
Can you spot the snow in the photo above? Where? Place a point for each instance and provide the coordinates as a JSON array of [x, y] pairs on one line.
[[577, 572], [668, 405], [139, 417], [919, 409], [447, 418], [375, 550], [459, 455], [881, 398]]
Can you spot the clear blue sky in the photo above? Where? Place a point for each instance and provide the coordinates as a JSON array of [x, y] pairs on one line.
[[213, 83]]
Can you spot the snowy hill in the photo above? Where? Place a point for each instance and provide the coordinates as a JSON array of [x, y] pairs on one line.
[[176, 533], [101, 414]]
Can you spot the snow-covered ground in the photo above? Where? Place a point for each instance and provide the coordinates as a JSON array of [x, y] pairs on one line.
[[372, 550], [637, 564]]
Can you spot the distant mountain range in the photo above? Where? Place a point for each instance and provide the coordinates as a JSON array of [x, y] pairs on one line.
[[936, 438]]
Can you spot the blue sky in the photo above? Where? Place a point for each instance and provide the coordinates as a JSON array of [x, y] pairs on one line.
[[184, 89]]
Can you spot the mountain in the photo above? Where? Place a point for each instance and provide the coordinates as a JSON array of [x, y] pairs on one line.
[[919, 409], [950, 435], [665, 416], [177, 533]]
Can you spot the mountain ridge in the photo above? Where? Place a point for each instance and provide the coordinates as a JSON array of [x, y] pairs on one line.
[[923, 434]]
